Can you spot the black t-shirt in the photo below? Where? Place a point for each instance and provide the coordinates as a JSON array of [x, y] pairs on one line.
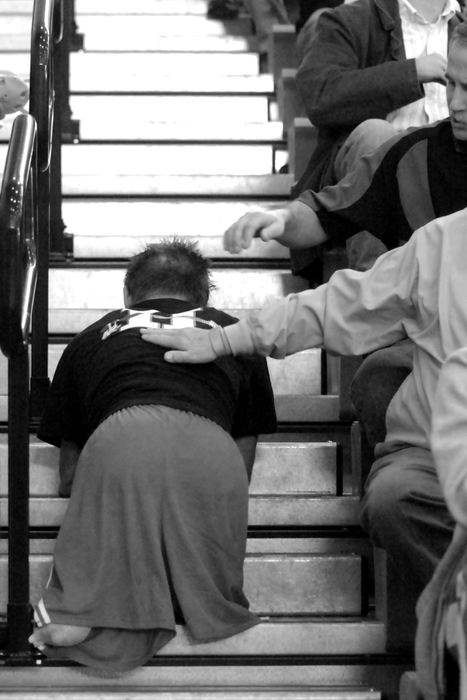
[[108, 367]]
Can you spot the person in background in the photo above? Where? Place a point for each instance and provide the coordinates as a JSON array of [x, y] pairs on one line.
[[14, 93], [156, 461], [408, 181], [415, 291], [372, 69], [264, 14]]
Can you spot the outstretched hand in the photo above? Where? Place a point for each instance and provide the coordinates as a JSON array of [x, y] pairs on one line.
[[191, 345], [266, 225]]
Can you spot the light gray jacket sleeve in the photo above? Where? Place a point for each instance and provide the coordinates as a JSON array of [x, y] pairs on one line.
[[354, 313]]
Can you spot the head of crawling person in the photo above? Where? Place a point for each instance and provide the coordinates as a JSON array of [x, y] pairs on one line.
[[172, 268]]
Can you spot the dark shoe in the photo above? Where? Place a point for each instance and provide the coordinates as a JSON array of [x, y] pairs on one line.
[[222, 9]]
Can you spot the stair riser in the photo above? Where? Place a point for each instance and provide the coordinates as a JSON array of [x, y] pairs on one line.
[[18, 39], [227, 678], [280, 468], [198, 695], [146, 160], [304, 546], [97, 80], [163, 186], [274, 585], [264, 511], [179, 108], [95, 288]]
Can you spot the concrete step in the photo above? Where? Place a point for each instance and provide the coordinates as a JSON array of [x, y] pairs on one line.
[[15, 34], [264, 511], [141, 128], [83, 160], [151, 27], [97, 128], [139, 160], [154, 64], [296, 375], [104, 228], [94, 80], [162, 24], [212, 186], [150, 41], [145, 163], [275, 584], [203, 694], [187, 678], [232, 109], [73, 288], [171, 7], [305, 546], [285, 468]]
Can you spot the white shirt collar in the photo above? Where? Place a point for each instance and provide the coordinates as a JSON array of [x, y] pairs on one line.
[[407, 9]]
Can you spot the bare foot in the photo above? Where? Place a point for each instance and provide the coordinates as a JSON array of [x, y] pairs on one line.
[[55, 635]]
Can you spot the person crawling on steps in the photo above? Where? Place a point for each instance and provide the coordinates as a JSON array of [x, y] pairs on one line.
[[156, 460]]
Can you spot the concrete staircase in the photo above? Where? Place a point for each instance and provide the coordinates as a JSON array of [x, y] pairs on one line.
[[179, 135]]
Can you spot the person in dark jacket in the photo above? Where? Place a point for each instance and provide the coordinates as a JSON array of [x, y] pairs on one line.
[[378, 60]]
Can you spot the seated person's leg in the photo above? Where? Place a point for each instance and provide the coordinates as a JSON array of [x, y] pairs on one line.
[[367, 136], [363, 248], [404, 512], [375, 383]]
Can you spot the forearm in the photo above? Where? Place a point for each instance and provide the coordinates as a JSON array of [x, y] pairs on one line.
[[302, 228], [352, 314]]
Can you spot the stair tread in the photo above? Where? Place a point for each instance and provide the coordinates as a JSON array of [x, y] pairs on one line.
[[176, 108], [101, 288], [245, 694], [275, 584], [148, 159], [265, 511], [158, 676], [96, 234], [142, 129], [217, 186]]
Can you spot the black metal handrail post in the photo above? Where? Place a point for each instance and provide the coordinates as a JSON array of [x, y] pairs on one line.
[[66, 129], [18, 271], [42, 109]]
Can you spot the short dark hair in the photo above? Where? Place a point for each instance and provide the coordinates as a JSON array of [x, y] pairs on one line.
[[172, 267], [459, 34]]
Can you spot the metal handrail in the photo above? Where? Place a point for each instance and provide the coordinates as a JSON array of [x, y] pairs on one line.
[[42, 88], [18, 274], [47, 28], [18, 262]]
